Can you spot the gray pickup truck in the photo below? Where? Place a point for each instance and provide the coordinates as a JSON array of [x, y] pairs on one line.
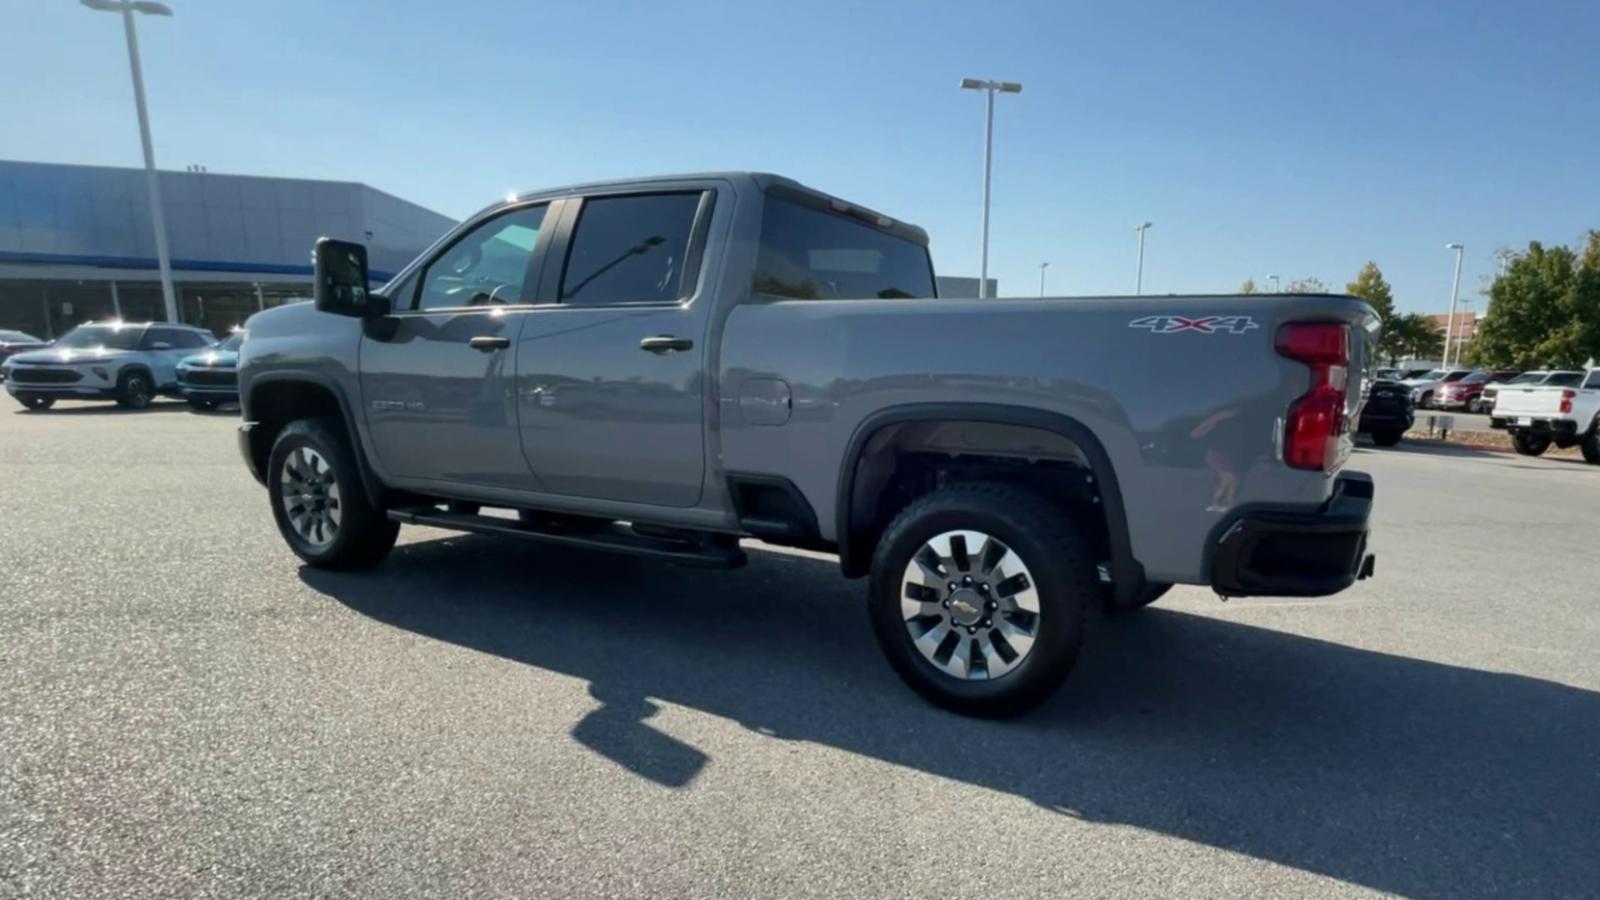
[[666, 366]]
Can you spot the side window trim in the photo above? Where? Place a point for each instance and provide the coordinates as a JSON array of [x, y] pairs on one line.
[[694, 253], [554, 211]]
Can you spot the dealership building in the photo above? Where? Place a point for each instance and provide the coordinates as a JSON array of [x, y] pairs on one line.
[[77, 244]]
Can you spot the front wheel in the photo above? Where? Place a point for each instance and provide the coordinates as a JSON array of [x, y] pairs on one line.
[[318, 501], [978, 597], [36, 402], [135, 390], [1426, 402], [1529, 444]]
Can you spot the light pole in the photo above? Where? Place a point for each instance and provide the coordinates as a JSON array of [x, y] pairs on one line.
[[990, 88], [1138, 280], [1274, 280], [127, 8], [1042, 267], [1455, 292]]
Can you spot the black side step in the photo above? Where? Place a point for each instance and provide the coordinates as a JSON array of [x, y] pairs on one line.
[[615, 536]]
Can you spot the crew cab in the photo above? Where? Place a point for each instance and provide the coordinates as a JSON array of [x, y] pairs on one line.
[[123, 361], [1538, 416], [668, 366]]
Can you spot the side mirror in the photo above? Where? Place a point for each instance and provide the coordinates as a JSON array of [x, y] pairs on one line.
[[341, 271]]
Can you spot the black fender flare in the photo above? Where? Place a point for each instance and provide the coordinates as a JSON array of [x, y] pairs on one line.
[[1127, 574], [370, 482]]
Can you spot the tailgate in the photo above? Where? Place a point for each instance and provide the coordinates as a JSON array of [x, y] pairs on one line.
[[1544, 402]]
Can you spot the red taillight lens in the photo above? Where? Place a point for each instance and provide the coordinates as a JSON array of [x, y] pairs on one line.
[[1566, 401], [1315, 424]]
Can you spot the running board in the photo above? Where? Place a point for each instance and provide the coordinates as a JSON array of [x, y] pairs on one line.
[[615, 537]]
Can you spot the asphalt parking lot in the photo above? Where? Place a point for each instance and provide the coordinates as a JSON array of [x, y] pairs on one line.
[[185, 711]]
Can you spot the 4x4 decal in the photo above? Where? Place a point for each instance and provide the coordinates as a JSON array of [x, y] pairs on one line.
[[1204, 324]]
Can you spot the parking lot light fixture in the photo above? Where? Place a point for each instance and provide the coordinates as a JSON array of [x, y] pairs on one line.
[[1450, 321], [1138, 279], [127, 8], [990, 88]]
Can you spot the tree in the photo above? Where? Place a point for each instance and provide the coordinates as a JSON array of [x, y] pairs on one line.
[[1411, 336], [1249, 286], [1371, 287], [1545, 309], [1305, 286]]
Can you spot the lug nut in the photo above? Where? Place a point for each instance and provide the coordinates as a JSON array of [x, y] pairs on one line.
[[987, 623], [947, 604], [992, 606], [984, 588], [967, 580], [952, 585]]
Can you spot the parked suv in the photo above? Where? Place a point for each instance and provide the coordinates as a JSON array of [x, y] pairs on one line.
[[125, 362], [665, 366], [212, 378]]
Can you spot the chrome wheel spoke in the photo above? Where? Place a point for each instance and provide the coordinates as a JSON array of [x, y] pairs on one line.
[[970, 605], [310, 496]]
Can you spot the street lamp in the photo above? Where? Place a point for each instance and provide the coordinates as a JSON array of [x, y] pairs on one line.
[[1274, 280], [1455, 292], [990, 88], [1042, 267], [127, 8], [1138, 281]]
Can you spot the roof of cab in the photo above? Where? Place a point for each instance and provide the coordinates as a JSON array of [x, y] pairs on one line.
[[763, 181]]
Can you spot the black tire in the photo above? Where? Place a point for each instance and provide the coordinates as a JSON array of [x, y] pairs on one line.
[[364, 534], [201, 404], [1387, 437], [1529, 444], [36, 402], [1590, 445], [1063, 578], [135, 389], [1152, 591], [1427, 400]]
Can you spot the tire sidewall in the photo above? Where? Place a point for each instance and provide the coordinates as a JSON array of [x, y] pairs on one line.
[[1061, 613]]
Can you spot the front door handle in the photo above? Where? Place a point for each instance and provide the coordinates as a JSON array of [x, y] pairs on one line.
[[489, 343], [665, 343]]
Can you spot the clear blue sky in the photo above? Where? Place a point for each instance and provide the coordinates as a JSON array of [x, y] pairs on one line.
[[1300, 139]]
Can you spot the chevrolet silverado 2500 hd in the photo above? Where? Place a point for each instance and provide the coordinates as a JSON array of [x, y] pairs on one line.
[[666, 366], [1538, 416]]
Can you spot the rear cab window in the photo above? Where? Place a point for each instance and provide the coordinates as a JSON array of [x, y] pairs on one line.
[[1594, 380], [808, 253]]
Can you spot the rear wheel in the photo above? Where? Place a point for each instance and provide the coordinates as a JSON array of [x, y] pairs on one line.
[[36, 402], [1529, 444], [978, 597], [1387, 437], [1591, 445], [135, 390], [318, 501]]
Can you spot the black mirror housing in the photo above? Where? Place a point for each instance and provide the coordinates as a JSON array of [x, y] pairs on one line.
[[341, 272]]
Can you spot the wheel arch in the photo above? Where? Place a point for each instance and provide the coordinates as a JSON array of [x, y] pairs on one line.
[[857, 486], [275, 399]]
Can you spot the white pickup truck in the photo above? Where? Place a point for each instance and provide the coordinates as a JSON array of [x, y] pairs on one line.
[[1537, 417]]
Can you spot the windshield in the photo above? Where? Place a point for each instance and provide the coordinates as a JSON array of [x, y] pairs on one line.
[[1476, 378], [1455, 376], [1431, 375], [111, 337], [231, 343]]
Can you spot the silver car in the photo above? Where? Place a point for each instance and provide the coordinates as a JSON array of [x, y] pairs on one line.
[[126, 362]]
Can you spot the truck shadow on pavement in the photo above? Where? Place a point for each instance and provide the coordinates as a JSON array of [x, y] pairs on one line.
[[1419, 778]]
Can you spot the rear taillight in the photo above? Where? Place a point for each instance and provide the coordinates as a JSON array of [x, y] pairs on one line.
[[1315, 424], [1566, 401]]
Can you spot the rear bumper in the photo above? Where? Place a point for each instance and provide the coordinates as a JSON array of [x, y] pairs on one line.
[[1292, 552], [1556, 429]]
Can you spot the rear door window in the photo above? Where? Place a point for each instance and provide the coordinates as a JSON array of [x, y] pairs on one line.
[[810, 254], [631, 249]]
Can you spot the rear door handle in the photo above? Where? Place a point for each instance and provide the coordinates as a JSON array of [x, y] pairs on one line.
[[665, 343], [489, 343]]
